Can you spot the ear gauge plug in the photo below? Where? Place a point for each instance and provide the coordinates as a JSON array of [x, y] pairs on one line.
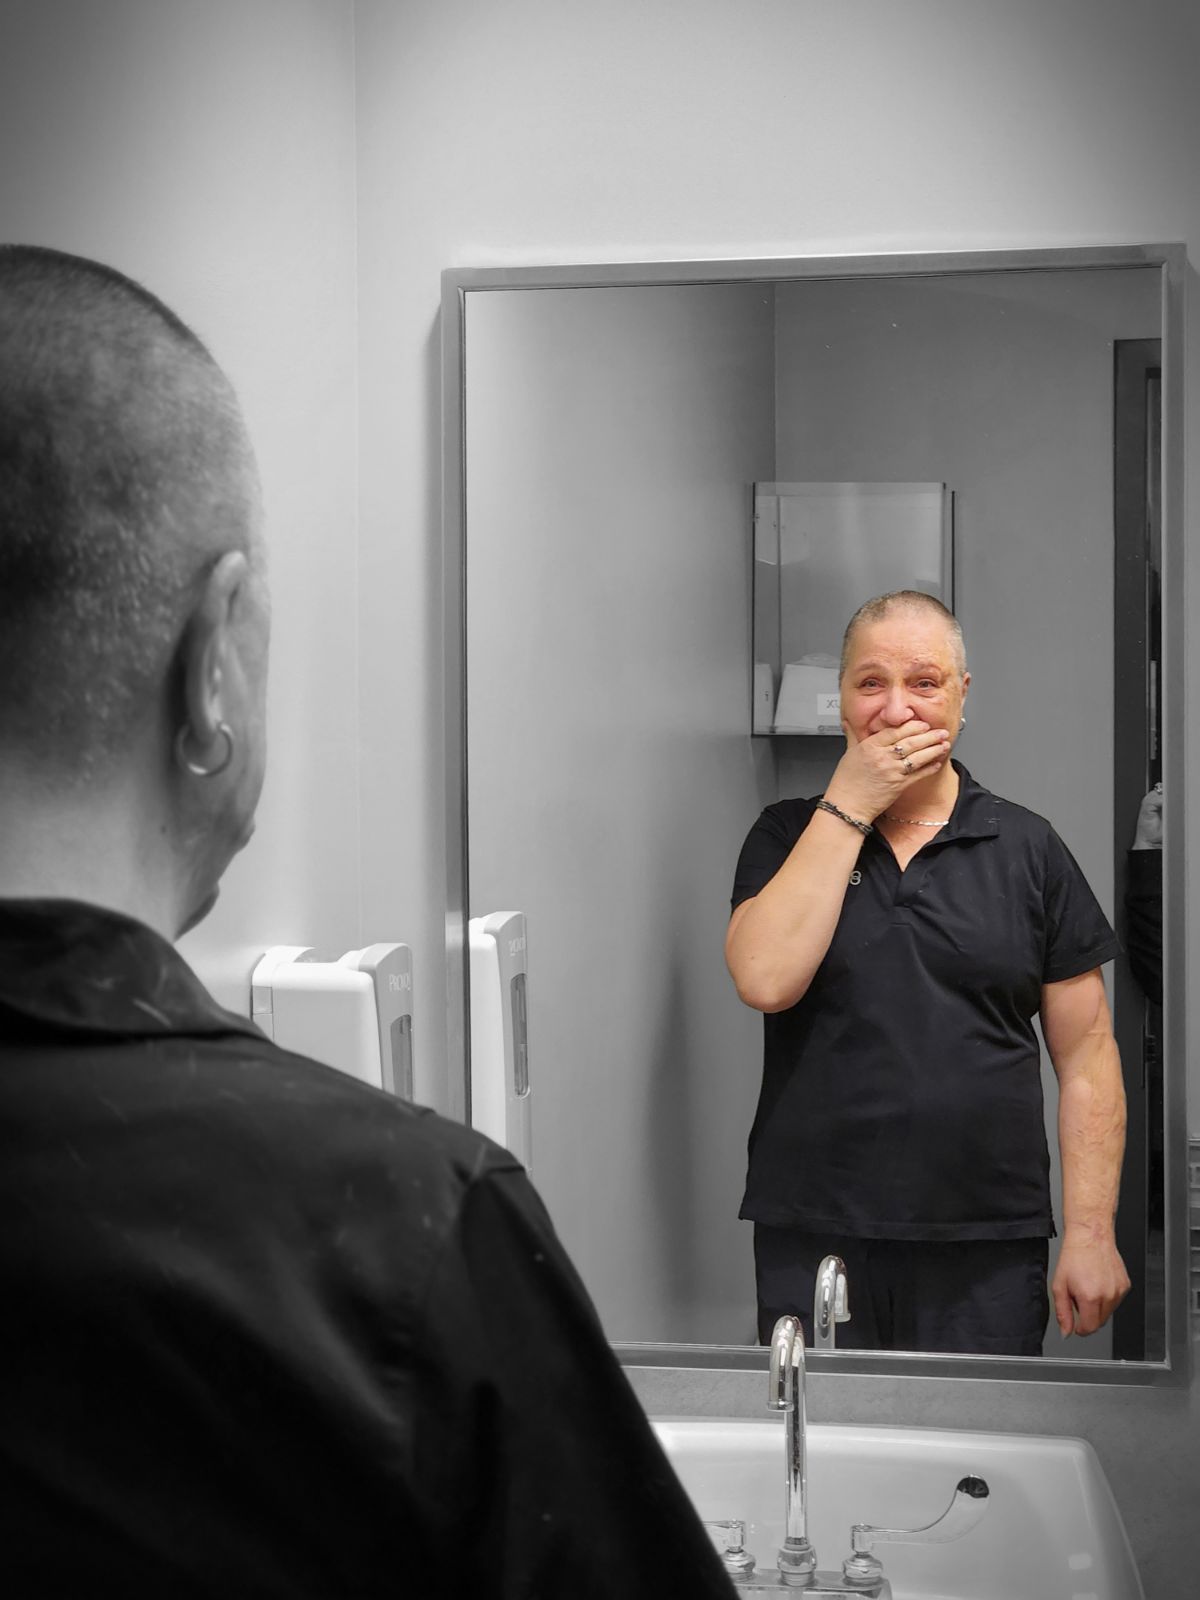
[[186, 764]]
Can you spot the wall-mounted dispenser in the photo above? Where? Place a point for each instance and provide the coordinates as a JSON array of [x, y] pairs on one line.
[[501, 1104], [820, 550], [353, 1013]]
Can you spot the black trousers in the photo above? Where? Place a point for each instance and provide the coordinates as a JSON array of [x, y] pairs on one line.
[[977, 1296]]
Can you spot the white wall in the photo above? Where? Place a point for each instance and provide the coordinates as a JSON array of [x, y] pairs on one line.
[[207, 150], [613, 435], [535, 131]]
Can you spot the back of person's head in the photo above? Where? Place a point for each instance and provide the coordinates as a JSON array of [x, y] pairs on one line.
[[125, 472], [133, 609]]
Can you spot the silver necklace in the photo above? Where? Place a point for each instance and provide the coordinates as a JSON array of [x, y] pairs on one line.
[[919, 822]]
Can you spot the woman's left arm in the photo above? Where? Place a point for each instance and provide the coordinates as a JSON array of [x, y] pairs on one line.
[[1090, 1280]]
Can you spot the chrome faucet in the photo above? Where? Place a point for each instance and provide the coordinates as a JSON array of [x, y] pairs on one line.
[[862, 1574], [830, 1302], [797, 1558]]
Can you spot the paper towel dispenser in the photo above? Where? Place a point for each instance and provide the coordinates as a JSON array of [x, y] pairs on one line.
[[820, 551], [353, 1012], [501, 1103]]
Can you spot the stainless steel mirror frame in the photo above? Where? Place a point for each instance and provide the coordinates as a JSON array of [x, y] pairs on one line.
[[1171, 259]]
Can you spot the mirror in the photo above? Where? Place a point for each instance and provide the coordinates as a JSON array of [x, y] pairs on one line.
[[606, 429]]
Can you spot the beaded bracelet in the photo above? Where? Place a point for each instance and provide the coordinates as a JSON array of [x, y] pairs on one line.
[[863, 827]]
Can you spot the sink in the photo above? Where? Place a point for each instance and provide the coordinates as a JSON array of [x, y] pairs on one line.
[[1052, 1530]]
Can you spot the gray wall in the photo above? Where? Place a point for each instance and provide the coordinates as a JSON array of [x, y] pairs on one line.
[[1003, 389], [611, 439], [208, 150]]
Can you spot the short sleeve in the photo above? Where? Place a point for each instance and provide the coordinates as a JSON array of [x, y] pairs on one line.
[[767, 847], [1078, 936]]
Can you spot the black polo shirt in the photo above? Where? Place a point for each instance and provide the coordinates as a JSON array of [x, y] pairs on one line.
[[266, 1331], [902, 1094]]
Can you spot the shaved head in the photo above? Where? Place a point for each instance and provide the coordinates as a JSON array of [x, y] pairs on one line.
[[885, 605], [125, 472]]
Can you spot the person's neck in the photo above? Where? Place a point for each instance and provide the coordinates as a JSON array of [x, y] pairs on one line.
[[101, 842], [931, 798]]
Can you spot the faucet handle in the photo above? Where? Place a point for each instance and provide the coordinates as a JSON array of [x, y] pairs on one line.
[[960, 1516], [730, 1539]]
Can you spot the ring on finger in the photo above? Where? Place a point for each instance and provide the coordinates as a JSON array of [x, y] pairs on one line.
[[908, 766], [901, 752]]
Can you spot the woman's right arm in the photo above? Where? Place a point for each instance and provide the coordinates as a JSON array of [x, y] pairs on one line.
[[777, 939]]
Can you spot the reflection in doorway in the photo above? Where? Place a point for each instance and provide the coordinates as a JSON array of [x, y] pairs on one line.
[[1138, 1327]]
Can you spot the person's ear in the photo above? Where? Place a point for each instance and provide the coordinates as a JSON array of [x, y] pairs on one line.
[[204, 743]]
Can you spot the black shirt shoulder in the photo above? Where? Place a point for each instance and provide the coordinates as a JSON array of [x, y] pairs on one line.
[[270, 1330], [768, 845]]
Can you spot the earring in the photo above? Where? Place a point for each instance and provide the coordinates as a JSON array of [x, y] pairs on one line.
[[962, 722], [181, 756]]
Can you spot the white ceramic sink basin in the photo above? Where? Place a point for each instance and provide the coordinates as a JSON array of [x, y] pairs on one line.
[[1051, 1531]]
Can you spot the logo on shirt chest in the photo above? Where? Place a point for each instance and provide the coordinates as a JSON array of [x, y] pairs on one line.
[[856, 877]]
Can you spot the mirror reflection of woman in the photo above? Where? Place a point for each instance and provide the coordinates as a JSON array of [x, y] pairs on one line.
[[899, 934]]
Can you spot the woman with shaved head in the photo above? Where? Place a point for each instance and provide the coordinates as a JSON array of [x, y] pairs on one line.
[[133, 610], [265, 1331], [900, 933]]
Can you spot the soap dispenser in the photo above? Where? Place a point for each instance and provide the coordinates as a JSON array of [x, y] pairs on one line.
[[353, 1012], [501, 1105]]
